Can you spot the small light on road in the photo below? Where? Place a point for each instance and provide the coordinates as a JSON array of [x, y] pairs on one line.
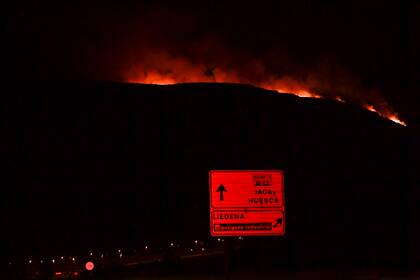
[[89, 266]]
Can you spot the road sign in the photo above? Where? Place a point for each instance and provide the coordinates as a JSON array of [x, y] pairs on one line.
[[242, 223], [246, 202]]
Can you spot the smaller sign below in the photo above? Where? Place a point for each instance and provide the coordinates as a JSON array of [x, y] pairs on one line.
[[247, 222]]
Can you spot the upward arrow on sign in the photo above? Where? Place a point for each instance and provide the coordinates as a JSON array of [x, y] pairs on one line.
[[221, 189]]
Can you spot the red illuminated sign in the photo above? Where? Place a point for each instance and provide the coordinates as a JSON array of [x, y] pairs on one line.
[[246, 203]]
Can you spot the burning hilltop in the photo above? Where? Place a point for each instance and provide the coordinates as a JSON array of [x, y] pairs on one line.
[[161, 68], [170, 43]]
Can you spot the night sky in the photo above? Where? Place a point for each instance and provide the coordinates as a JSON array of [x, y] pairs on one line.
[[350, 47]]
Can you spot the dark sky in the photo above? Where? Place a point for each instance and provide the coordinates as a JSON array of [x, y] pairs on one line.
[[360, 45]]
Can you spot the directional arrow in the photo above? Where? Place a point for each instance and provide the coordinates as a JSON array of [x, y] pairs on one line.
[[278, 222], [221, 189]]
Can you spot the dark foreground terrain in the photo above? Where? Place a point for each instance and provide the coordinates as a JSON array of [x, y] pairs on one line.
[[100, 166]]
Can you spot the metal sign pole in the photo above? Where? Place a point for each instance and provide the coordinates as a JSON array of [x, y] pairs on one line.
[[245, 203], [228, 247]]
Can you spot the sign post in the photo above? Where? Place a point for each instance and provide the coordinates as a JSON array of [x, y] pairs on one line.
[[246, 203]]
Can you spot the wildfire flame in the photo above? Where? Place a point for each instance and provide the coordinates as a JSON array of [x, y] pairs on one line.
[[183, 72], [388, 115]]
